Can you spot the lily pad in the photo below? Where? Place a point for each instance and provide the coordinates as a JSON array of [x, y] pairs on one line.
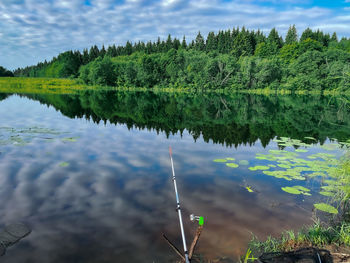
[[325, 193], [310, 138], [64, 164], [284, 166], [220, 160], [259, 167], [291, 190], [326, 208], [230, 159], [232, 165], [297, 189], [69, 139], [243, 162], [301, 150]]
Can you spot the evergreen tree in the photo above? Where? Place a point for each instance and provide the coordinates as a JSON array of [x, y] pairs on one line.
[[291, 36], [211, 43], [85, 58], [307, 34], [93, 53], [334, 37], [199, 44], [168, 44], [111, 51], [176, 43], [275, 38], [128, 48], [102, 51], [183, 43]]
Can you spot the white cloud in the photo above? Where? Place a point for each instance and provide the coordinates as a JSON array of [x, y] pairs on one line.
[[34, 30]]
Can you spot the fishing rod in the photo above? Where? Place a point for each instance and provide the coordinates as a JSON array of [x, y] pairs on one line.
[[178, 208]]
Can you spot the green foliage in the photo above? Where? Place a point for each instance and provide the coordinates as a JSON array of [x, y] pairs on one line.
[[236, 59], [291, 36], [5, 73], [100, 72]]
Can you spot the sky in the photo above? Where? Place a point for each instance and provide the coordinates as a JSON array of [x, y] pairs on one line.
[[34, 30]]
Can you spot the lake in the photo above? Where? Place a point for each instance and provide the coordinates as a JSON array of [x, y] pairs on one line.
[[90, 173]]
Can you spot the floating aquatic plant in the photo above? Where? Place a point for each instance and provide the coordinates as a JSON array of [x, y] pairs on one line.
[[243, 162], [301, 150], [70, 139], [326, 208], [220, 160], [259, 167], [64, 164], [232, 165]]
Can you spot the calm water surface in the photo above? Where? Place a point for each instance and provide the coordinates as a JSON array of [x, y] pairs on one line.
[[90, 173]]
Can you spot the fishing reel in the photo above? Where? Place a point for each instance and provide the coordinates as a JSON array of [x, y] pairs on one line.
[[194, 218]]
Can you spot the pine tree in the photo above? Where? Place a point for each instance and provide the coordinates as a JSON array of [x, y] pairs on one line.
[[93, 53], [275, 38], [176, 43], [184, 44], [291, 36], [199, 44], [102, 51], [211, 44], [85, 56], [334, 37], [307, 34], [169, 43], [128, 48]]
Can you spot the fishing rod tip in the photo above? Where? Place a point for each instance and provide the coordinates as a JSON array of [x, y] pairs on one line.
[[170, 151]]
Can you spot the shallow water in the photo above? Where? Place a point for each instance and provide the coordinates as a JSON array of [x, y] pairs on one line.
[[90, 173]]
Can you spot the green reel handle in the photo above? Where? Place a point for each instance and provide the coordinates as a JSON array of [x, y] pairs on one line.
[[200, 219]]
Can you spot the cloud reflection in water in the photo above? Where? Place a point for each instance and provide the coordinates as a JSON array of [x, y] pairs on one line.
[[114, 207]]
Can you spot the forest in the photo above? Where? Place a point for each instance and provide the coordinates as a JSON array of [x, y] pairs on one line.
[[228, 119], [5, 72], [237, 59]]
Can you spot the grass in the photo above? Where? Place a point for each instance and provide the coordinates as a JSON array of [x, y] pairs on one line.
[[43, 85], [318, 235], [71, 86]]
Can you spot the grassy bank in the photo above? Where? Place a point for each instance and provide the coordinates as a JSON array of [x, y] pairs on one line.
[[43, 85], [71, 86]]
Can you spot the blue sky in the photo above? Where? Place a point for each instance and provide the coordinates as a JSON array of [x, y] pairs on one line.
[[34, 30]]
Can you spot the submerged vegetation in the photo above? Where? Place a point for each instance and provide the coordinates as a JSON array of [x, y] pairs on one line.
[[236, 59]]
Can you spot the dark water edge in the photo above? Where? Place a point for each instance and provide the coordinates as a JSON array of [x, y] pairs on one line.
[[115, 198]]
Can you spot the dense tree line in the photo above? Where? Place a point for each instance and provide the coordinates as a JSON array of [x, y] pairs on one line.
[[230, 119], [5, 72], [232, 59]]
